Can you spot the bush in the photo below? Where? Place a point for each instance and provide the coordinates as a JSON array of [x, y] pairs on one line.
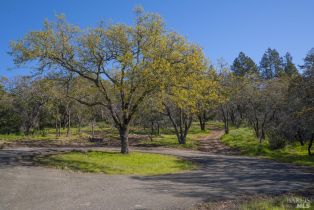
[[276, 139]]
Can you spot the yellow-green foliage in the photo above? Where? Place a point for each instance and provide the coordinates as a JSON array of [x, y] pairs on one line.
[[135, 163]]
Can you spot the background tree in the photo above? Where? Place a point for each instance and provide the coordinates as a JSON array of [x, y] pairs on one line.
[[271, 64], [305, 99], [185, 83], [151, 116], [30, 96], [207, 97], [10, 120], [243, 65], [263, 103], [289, 67], [308, 66], [224, 93]]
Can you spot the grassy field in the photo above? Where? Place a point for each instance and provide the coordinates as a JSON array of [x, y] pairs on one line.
[[245, 140], [167, 138], [135, 163], [46, 134], [50, 133], [284, 202], [39, 136]]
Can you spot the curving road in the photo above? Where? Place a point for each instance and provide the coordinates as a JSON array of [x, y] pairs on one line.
[[25, 186]]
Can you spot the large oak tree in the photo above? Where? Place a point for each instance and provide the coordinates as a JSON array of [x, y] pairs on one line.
[[125, 63]]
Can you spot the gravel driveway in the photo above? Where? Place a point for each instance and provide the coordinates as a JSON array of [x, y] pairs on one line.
[[25, 186]]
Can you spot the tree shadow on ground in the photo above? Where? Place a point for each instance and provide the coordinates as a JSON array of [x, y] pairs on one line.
[[13, 157], [225, 177]]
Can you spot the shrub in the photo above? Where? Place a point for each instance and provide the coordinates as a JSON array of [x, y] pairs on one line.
[[276, 139]]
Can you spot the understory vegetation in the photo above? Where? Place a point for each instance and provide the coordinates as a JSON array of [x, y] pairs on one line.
[[105, 134], [245, 140], [170, 140], [135, 163], [285, 202]]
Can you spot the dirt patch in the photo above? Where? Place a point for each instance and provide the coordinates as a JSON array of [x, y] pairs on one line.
[[213, 144]]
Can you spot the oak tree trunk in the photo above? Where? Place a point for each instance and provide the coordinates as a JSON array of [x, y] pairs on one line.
[[202, 122], [226, 125], [124, 134], [225, 117], [182, 139], [69, 123]]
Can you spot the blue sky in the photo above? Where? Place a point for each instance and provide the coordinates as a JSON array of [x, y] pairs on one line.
[[222, 28]]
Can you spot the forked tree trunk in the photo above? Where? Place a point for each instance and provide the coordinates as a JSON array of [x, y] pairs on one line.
[[182, 126], [225, 116], [124, 139], [182, 139]]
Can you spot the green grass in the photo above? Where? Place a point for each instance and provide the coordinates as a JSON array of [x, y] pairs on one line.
[[245, 140], [215, 124], [103, 130], [262, 202], [171, 141], [283, 202], [135, 163], [47, 134]]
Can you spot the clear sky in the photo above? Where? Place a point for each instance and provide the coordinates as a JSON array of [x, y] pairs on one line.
[[222, 28]]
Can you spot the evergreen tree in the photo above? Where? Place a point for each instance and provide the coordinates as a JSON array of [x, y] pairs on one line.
[[271, 64], [243, 65], [289, 67], [308, 66]]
